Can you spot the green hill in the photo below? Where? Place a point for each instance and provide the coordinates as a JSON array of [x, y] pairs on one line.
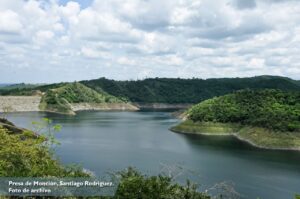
[[176, 90], [272, 109], [60, 99], [18, 86], [28, 90], [171, 90], [268, 118]]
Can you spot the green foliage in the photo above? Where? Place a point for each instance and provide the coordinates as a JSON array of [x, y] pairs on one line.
[[28, 90], [18, 89], [26, 158], [46, 130], [76, 93], [18, 86], [297, 196], [271, 109], [135, 185], [168, 90], [176, 90], [28, 155], [10, 127], [60, 99]]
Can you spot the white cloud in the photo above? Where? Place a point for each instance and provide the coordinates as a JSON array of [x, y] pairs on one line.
[[71, 9], [89, 52], [256, 63], [10, 22], [129, 39], [43, 36], [126, 61]]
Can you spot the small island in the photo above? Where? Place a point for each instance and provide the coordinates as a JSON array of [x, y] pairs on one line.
[[264, 118]]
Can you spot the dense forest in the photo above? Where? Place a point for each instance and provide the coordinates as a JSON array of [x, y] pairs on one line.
[[170, 90], [176, 90], [271, 109]]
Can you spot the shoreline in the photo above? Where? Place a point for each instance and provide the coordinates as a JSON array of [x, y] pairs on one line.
[[162, 106], [103, 107], [236, 135], [239, 138], [77, 107], [17, 104]]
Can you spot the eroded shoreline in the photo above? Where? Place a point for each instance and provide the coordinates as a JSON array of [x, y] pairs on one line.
[[245, 134], [32, 104]]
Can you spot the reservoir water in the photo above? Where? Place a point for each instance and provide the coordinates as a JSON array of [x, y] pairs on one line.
[[111, 141]]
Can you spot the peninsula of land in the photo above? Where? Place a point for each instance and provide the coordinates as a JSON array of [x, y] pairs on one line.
[[265, 118]]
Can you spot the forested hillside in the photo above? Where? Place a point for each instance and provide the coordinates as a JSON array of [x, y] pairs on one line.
[[172, 90], [272, 109], [264, 118]]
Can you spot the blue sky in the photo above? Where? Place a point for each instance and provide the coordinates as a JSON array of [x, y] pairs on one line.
[[43, 41], [83, 3]]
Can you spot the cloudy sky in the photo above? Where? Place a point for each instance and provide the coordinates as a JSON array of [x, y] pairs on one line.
[[61, 40]]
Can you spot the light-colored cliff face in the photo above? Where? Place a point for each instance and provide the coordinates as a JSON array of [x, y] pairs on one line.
[[103, 106], [161, 106], [19, 103], [31, 103]]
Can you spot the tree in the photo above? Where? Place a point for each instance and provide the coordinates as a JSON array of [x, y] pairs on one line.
[[29, 155], [47, 130], [133, 184]]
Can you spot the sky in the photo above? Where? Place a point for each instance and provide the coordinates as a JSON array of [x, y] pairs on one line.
[[44, 41]]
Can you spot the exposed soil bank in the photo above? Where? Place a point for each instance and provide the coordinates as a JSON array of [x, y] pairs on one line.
[[19, 103], [31, 103], [255, 136], [161, 106], [103, 106]]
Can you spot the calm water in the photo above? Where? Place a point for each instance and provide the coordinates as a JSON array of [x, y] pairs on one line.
[[110, 141]]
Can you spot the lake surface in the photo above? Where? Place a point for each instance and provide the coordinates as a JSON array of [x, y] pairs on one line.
[[112, 141]]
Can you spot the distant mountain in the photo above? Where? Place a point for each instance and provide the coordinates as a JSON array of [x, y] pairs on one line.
[[297, 82], [17, 86], [176, 90], [4, 85], [170, 90]]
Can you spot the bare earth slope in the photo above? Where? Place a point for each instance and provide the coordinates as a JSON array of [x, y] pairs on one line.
[[20, 103]]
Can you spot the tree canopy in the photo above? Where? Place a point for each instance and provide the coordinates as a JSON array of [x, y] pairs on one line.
[[272, 109]]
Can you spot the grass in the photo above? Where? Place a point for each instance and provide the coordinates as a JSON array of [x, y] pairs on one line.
[[257, 136]]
